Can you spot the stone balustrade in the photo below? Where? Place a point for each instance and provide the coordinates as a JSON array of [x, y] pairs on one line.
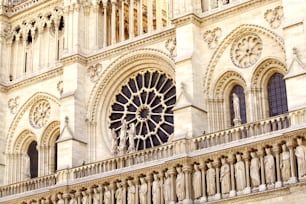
[[217, 5]]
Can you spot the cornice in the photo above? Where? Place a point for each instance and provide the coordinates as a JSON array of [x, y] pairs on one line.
[[187, 19], [74, 58]]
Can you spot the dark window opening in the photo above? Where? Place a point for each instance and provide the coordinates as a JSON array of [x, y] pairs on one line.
[[33, 155], [277, 95]]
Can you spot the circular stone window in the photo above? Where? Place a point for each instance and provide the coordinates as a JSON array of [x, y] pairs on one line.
[[246, 50], [40, 113], [146, 100]]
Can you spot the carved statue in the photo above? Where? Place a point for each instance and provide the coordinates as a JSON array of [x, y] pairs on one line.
[[300, 153], [254, 170], [225, 178], [180, 184], [27, 172], [60, 199], [96, 196], [85, 198], [196, 182], [119, 194], [122, 136], [131, 135], [269, 167], [114, 142], [167, 188], [240, 173], [107, 195], [211, 180], [143, 190], [73, 200], [156, 190], [236, 106], [131, 192], [285, 163]]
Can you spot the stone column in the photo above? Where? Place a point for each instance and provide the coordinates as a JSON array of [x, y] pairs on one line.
[[172, 173], [216, 164], [187, 169], [158, 14], [293, 178], [150, 15], [263, 186], [140, 18], [149, 180], [246, 157], [105, 31], [276, 152], [123, 183], [231, 160], [131, 19], [203, 175], [112, 189], [78, 196], [114, 3], [121, 21]]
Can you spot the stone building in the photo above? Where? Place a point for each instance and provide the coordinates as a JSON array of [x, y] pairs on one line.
[[152, 101]]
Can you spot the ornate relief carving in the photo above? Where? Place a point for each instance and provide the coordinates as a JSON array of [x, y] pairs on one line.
[[94, 72], [13, 104], [246, 50], [274, 16], [171, 46], [60, 87], [212, 37], [40, 113]]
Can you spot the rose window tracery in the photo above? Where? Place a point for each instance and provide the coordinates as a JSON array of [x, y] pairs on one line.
[[40, 113], [246, 50], [146, 100]]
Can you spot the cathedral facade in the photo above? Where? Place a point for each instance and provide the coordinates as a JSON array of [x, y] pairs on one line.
[[152, 101]]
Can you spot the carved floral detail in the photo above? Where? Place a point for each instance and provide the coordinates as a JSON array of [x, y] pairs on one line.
[[94, 72], [212, 37], [60, 86], [13, 104], [246, 50], [171, 45], [274, 17], [40, 113]]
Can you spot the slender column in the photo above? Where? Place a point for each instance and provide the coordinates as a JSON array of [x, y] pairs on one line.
[[23, 67], [262, 187], [203, 168], [140, 18], [56, 51], [172, 173], [112, 189], [40, 44], [187, 169], [122, 37], [70, 30], [78, 196], [293, 178], [158, 15], [66, 37], [231, 160], [149, 179], [66, 196], [114, 2], [246, 157], [161, 180], [137, 190], [104, 23], [131, 19], [150, 15], [276, 151], [124, 191], [217, 166]]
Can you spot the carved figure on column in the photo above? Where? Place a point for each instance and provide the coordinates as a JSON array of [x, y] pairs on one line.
[[156, 190], [131, 192], [285, 164], [107, 195], [114, 149], [119, 194], [85, 199], [225, 177], [254, 170], [96, 196], [240, 173], [60, 199], [269, 167], [73, 200], [180, 184], [143, 190], [27, 171], [131, 135], [300, 153], [236, 106], [122, 136], [167, 188], [197, 182], [211, 180]]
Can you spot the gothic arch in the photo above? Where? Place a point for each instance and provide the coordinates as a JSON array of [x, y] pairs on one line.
[[228, 40], [23, 141], [50, 133]]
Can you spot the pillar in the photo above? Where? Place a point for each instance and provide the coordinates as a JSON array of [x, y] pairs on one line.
[[203, 174], [260, 153], [113, 21], [217, 167], [187, 169], [246, 157], [231, 160], [276, 152], [293, 178], [131, 19]]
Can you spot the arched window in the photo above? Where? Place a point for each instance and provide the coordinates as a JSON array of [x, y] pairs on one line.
[[33, 155], [277, 95], [237, 106]]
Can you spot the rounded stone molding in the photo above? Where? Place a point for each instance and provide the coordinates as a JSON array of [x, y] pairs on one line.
[[40, 113], [246, 50]]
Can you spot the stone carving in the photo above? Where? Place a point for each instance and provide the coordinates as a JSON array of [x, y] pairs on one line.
[[85, 198], [94, 72], [300, 153], [196, 182], [246, 50], [167, 188], [236, 107], [40, 113], [122, 137], [254, 170], [156, 190], [285, 164], [60, 87], [73, 200], [13, 104], [27, 172], [171, 45], [96, 196], [131, 135], [60, 199], [119, 194], [131, 192], [212, 37], [225, 177], [114, 148], [143, 190], [240, 173], [211, 180], [269, 167], [274, 16], [180, 184], [107, 195]]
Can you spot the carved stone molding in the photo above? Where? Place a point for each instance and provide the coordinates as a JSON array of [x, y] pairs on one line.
[[40, 113], [274, 16], [94, 72], [13, 104], [60, 87], [212, 37], [171, 46]]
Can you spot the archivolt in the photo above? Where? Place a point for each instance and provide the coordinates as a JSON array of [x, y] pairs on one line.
[[50, 133], [24, 139]]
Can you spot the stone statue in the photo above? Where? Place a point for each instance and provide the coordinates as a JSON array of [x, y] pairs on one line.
[[73, 200], [143, 190], [131, 135], [60, 199], [85, 198], [240, 173], [269, 167], [107, 195], [131, 192], [96, 196], [300, 153], [236, 106], [114, 142], [119, 194], [254, 170], [285, 164], [156, 190], [167, 188], [180, 184], [122, 136], [225, 177], [27, 172], [211, 180], [196, 182]]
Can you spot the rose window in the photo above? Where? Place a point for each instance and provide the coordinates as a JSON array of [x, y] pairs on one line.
[[146, 100], [246, 50], [40, 113]]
